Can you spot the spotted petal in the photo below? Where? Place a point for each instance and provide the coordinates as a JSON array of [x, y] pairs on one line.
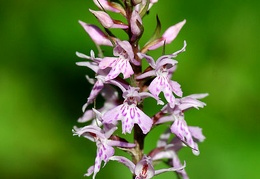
[[159, 84], [129, 115], [98, 86], [181, 130], [118, 65]]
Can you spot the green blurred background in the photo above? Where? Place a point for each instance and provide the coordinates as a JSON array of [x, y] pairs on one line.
[[42, 90]]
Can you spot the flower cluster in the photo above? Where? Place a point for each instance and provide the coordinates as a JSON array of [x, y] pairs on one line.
[[124, 85]]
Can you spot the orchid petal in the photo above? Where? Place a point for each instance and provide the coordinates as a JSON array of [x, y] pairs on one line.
[[129, 115], [165, 119], [90, 171], [177, 163], [90, 129], [156, 86], [188, 102], [120, 144], [90, 65], [98, 86], [146, 74], [165, 61], [170, 169], [88, 115], [107, 62], [198, 96], [124, 48], [180, 129], [128, 163], [176, 88], [196, 133], [149, 59]]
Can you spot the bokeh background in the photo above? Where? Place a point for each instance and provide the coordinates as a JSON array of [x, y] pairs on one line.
[[42, 90]]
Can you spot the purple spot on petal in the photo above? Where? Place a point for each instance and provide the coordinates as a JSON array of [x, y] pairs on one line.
[[104, 147], [100, 153], [138, 114], [132, 113], [116, 117]]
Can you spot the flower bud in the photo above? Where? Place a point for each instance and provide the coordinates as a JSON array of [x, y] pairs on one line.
[[107, 21], [136, 23], [109, 6], [169, 35], [96, 34]]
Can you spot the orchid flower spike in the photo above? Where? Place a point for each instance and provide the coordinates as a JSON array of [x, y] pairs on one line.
[[124, 84]]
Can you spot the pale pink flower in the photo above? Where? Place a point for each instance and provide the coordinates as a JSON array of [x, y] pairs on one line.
[[101, 75], [173, 160], [105, 148], [111, 100], [144, 168], [129, 113], [120, 64], [168, 150], [163, 69], [179, 126]]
